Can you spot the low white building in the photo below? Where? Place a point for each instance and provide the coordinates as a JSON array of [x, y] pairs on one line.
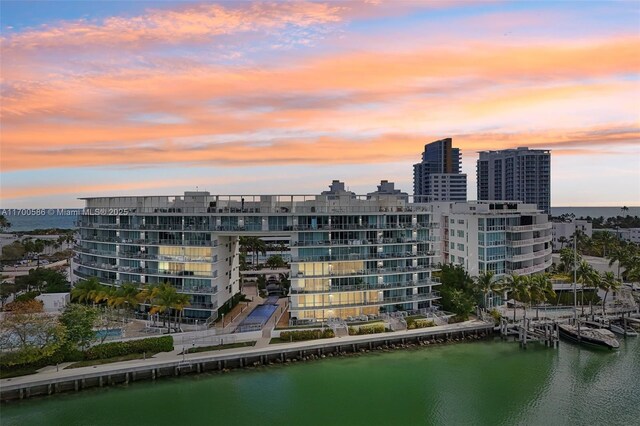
[[627, 234], [566, 230], [54, 302]]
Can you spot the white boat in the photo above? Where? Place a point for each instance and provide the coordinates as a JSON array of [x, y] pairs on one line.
[[634, 323], [622, 330], [589, 336]]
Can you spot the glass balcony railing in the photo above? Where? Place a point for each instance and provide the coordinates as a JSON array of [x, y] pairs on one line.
[[375, 271], [422, 297], [366, 287]]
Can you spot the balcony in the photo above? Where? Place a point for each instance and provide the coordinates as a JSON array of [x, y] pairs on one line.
[[380, 241], [520, 243], [531, 269], [522, 228], [138, 271], [544, 239], [142, 256], [360, 256], [366, 287], [147, 242], [386, 301], [377, 271]]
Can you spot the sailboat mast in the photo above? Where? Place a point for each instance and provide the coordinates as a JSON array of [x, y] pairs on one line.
[[575, 275]]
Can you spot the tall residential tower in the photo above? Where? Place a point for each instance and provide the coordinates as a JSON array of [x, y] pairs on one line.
[[521, 174], [437, 177]]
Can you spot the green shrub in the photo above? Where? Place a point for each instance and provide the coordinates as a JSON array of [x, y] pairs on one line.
[[297, 336], [495, 315], [367, 329], [113, 349], [24, 297], [68, 353], [413, 323]]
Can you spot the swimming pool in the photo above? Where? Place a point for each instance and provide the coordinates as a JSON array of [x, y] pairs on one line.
[[257, 318], [111, 333]]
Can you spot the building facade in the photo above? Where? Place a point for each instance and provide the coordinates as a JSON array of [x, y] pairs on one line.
[[500, 236], [520, 174], [437, 177], [563, 231], [350, 255]]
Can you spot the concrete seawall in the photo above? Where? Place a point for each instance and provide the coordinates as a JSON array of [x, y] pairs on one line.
[[153, 369]]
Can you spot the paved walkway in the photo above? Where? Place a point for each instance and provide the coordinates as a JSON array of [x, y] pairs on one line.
[[175, 355]]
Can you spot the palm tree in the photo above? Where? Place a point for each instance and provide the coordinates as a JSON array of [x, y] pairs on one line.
[[607, 240], [85, 290], [608, 282], [181, 302], [275, 261], [619, 254], [517, 286], [581, 240], [567, 256], [486, 283], [105, 294], [254, 245], [259, 246], [127, 296], [587, 276], [4, 223], [562, 240], [541, 289], [164, 298]]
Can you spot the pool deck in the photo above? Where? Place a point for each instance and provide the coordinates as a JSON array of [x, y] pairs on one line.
[[51, 380]]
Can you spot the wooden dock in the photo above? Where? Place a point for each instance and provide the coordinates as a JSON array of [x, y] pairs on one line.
[[527, 331]]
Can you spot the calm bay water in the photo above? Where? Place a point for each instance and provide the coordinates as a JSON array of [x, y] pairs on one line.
[[478, 383]]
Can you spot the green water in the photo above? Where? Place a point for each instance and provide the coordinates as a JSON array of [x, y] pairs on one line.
[[480, 383]]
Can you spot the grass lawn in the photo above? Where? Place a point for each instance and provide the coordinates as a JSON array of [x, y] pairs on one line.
[[219, 347], [128, 357], [17, 373]]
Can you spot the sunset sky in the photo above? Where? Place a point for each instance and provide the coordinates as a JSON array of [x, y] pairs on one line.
[[116, 97]]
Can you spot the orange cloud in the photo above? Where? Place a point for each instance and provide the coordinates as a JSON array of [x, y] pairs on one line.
[[199, 23], [359, 106], [323, 150]]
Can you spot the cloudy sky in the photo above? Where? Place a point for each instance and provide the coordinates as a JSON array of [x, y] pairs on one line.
[[146, 97]]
